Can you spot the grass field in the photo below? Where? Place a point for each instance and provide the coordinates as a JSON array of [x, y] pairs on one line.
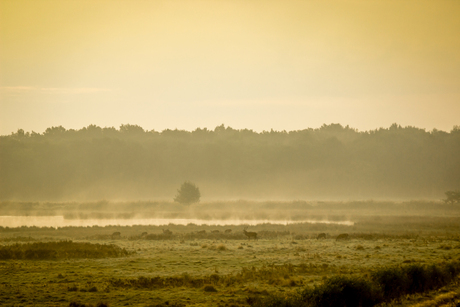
[[189, 268]]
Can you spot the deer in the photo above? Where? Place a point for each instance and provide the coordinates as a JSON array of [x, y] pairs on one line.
[[250, 234]]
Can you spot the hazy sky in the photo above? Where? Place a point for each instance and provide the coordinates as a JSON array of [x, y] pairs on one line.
[[263, 64]]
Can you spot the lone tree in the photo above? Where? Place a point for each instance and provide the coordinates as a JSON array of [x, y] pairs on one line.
[[188, 193], [452, 197]]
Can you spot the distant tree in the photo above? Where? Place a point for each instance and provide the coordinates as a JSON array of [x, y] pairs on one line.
[[452, 197], [55, 131], [188, 193], [134, 129]]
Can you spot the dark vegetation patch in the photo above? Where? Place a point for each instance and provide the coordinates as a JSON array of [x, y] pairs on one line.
[[209, 288], [200, 235], [168, 304], [78, 304], [60, 250], [381, 286], [17, 239], [273, 274]]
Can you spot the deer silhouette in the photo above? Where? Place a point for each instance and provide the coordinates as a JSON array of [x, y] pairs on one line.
[[250, 234]]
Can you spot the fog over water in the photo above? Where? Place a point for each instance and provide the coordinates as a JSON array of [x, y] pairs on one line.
[[60, 221]]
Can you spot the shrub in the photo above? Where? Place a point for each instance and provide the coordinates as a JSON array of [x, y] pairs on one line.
[[418, 278], [343, 291], [393, 282], [275, 301], [92, 289], [209, 288], [78, 304]]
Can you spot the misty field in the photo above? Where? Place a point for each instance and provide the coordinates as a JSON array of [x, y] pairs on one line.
[[218, 265]]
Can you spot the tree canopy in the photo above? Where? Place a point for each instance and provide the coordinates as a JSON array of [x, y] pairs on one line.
[[332, 162], [452, 197], [188, 193]]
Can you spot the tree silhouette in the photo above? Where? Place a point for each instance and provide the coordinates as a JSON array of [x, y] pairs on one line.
[[452, 197], [188, 193], [129, 162]]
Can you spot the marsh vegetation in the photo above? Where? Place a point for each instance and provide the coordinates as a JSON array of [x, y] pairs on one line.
[[291, 264]]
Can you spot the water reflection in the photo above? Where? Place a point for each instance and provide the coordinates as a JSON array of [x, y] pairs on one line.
[[60, 221]]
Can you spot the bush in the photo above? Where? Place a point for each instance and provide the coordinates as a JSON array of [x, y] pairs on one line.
[[92, 289], [393, 282], [418, 279], [343, 291], [275, 301], [209, 288], [78, 304]]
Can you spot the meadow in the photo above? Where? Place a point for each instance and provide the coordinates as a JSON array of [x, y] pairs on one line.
[[218, 265]]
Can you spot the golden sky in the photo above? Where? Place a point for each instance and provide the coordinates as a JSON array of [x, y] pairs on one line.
[[248, 64]]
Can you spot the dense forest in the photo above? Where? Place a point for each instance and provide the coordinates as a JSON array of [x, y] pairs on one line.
[[332, 162]]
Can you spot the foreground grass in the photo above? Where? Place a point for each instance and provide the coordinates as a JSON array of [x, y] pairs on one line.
[[382, 286], [191, 269]]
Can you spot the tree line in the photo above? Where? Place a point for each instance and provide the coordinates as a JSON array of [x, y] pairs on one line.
[[331, 162]]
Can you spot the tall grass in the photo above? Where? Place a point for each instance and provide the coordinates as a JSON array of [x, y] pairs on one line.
[[383, 285], [274, 274]]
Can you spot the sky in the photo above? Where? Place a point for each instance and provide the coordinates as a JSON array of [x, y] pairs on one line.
[[260, 64]]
